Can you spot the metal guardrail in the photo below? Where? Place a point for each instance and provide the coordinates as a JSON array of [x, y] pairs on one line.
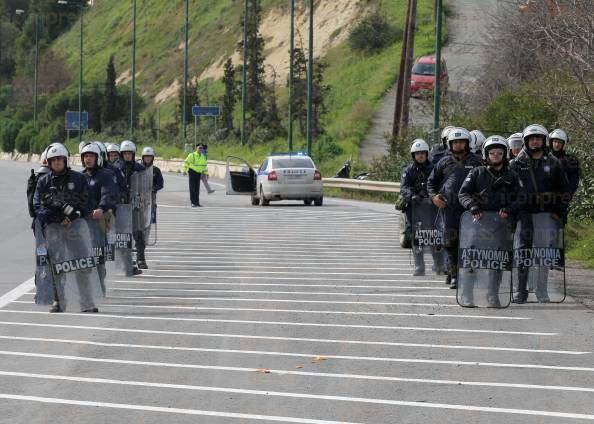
[[365, 185]]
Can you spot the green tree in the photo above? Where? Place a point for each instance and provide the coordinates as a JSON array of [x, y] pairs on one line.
[[230, 97], [300, 90], [96, 109], [111, 111], [320, 92]]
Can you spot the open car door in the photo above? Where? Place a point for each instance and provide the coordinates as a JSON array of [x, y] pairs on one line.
[[240, 177]]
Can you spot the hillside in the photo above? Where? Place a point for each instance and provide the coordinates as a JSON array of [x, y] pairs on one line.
[[357, 81]]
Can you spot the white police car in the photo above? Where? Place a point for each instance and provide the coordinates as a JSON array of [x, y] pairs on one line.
[[282, 176]]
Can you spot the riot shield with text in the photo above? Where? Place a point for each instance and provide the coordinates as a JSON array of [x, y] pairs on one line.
[[74, 265], [485, 260], [45, 291], [119, 242], [99, 246], [539, 257], [424, 229], [141, 195]]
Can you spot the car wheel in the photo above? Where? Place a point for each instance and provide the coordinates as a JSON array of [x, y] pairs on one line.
[[255, 201], [263, 200], [319, 201], [307, 202]]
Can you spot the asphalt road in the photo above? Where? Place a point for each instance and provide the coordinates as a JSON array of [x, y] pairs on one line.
[[287, 314]]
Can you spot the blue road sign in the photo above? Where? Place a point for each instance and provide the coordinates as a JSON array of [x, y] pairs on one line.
[[206, 111], [72, 121]]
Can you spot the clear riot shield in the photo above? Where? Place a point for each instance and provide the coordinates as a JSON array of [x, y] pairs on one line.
[[141, 195], [539, 258], [74, 266], [45, 291], [119, 242], [485, 259], [99, 244], [427, 236]]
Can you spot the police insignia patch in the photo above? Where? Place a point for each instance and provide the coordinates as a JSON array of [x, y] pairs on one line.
[[71, 186]]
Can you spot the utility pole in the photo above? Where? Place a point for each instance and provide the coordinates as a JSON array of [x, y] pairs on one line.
[[133, 91], [244, 76], [401, 76], [184, 111], [291, 75], [437, 95], [310, 79], [80, 82], [410, 48]]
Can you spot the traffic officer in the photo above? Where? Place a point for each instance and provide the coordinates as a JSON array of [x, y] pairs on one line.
[[148, 158], [443, 186], [129, 166], [515, 143], [413, 189], [195, 165], [492, 187], [61, 196], [102, 185], [441, 149], [546, 189], [558, 141]]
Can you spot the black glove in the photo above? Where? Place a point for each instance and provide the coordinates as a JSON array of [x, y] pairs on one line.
[[475, 211], [415, 198]]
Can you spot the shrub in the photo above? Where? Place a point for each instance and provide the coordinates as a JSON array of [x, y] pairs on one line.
[[373, 34], [9, 130], [26, 138]]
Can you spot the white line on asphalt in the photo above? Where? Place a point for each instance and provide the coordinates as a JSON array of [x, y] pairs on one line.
[[174, 268], [304, 311], [265, 264], [17, 292], [184, 333], [138, 281], [305, 238], [310, 246], [297, 354], [303, 324], [146, 274], [337, 302], [280, 292], [190, 264], [329, 253], [167, 410], [281, 259], [287, 372]]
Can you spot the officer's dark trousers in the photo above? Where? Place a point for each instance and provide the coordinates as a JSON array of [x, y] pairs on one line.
[[140, 245], [451, 221], [194, 187]]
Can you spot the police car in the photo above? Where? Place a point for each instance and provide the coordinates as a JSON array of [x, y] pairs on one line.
[[282, 176]]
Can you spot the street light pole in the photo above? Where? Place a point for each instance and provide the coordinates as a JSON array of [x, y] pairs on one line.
[[310, 79], [184, 121], [80, 81], [133, 91], [437, 95], [291, 75], [244, 76]]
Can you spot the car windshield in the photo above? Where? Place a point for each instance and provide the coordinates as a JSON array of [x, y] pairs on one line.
[[292, 163], [423, 69]]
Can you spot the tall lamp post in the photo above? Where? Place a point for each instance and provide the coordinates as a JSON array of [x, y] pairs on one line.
[[310, 79], [184, 108], [291, 75], [244, 74], [80, 4], [36, 65], [133, 91]]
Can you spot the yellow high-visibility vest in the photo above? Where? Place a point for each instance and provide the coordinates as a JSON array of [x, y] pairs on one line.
[[197, 163]]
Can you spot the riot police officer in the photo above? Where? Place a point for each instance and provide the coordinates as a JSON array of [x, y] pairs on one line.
[[61, 196], [492, 187], [102, 185], [120, 188], [441, 149], [113, 155], [515, 143], [546, 189], [476, 142], [413, 189], [558, 141], [443, 186]]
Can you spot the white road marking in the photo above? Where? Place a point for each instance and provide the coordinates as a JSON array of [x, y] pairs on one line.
[[147, 274], [17, 292], [287, 372], [301, 355], [286, 259], [166, 410], [177, 268], [264, 265], [303, 324], [280, 292], [303, 311], [329, 253]]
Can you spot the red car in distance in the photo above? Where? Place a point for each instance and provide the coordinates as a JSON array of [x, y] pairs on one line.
[[422, 80]]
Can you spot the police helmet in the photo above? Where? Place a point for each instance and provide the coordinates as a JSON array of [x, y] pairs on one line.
[[113, 148], [477, 141], [103, 150], [535, 129], [148, 151], [559, 134], [459, 134], [444, 135], [515, 140], [127, 146], [495, 142], [57, 150], [92, 148]]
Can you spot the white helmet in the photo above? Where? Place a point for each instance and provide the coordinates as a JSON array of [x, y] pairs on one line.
[[103, 151], [477, 141], [57, 150], [93, 148], [495, 142], [535, 129], [113, 148], [515, 140], [419, 145], [44, 168], [82, 145], [458, 134], [559, 134], [444, 135], [127, 146], [148, 151]]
